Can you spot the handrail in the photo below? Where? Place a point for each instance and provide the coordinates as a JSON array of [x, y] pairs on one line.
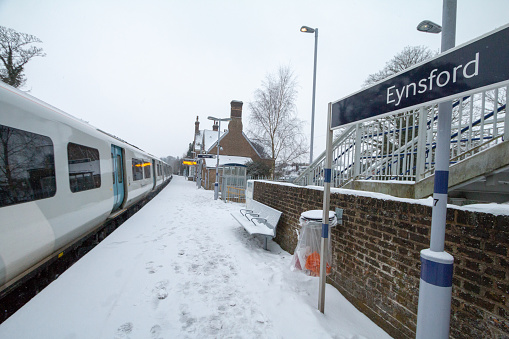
[[402, 146]]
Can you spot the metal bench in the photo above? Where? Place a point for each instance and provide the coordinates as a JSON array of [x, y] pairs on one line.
[[258, 218]]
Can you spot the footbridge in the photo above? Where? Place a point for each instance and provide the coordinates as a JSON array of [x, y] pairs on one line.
[[395, 154]]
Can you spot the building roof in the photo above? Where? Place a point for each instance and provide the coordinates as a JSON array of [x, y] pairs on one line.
[[210, 139], [227, 160]]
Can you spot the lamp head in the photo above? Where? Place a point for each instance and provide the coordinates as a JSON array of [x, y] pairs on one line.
[[429, 27], [307, 29]]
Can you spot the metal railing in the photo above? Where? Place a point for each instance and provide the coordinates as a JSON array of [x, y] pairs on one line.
[[402, 146]]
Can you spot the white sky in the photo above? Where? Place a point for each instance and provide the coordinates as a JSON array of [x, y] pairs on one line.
[[143, 70]]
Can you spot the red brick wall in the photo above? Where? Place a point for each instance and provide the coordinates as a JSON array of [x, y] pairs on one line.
[[376, 258]]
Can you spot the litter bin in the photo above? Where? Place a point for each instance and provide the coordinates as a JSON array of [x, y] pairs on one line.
[[306, 257]]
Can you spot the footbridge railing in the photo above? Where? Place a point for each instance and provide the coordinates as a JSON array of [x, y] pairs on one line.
[[402, 146]]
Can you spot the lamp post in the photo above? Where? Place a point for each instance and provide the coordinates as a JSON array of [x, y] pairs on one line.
[[435, 286], [216, 184], [307, 29]]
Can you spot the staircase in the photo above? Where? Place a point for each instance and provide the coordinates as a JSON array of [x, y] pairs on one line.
[[395, 154]]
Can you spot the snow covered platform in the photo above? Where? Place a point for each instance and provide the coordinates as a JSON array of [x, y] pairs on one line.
[[168, 272]]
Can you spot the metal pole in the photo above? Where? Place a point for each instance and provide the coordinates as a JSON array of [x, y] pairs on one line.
[[313, 105], [435, 288], [216, 184], [327, 173]]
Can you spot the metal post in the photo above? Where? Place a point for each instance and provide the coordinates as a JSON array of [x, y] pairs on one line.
[[357, 152], [421, 146], [327, 172], [506, 121], [313, 105], [216, 184], [435, 288]]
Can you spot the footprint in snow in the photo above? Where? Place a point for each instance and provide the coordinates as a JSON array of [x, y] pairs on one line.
[[155, 332], [160, 290], [124, 330]]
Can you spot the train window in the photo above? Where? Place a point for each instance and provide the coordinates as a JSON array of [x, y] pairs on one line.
[[113, 164], [146, 167], [84, 167], [119, 168], [158, 170], [27, 166], [137, 169]]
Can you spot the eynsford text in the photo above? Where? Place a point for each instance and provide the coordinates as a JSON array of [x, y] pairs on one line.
[[442, 79]]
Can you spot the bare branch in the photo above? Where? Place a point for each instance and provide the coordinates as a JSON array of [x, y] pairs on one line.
[[15, 52], [273, 117]]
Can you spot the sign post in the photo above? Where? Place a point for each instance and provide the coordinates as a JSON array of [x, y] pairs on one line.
[[327, 175], [435, 285]]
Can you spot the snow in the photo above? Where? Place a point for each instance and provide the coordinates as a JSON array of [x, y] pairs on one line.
[[210, 139], [226, 160], [490, 208], [182, 267]]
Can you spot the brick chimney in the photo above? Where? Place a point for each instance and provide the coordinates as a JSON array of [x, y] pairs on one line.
[[196, 126], [235, 125], [215, 127]]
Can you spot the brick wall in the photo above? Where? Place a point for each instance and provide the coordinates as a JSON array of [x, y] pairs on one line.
[[376, 260]]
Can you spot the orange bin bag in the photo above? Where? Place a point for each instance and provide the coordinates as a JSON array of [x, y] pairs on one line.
[[313, 264]]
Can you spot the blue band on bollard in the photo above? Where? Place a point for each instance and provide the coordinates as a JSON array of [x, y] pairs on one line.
[[327, 174], [325, 230], [216, 184], [436, 273], [441, 182]]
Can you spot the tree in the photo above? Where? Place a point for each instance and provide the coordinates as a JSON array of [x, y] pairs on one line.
[[256, 169], [409, 56], [15, 52], [273, 117]]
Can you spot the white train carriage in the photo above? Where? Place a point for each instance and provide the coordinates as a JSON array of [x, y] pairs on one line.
[[60, 178]]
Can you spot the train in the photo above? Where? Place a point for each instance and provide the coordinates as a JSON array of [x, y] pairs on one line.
[[60, 178]]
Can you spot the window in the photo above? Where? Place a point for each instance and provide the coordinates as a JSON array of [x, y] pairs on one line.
[[137, 169], [84, 167], [119, 169], [146, 167], [27, 166]]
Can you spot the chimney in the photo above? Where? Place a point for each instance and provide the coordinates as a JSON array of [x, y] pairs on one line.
[[215, 127], [196, 126], [235, 125]]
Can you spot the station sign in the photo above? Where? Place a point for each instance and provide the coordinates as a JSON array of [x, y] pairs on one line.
[[206, 156], [468, 67]]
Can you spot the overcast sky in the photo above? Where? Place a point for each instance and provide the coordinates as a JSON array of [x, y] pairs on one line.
[[143, 70]]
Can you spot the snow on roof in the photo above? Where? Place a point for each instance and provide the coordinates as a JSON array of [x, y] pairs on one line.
[[209, 139], [227, 160], [198, 139]]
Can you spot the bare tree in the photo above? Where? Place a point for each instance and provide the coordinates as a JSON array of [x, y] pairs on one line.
[[409, 56], [273, 117], [15, 52]]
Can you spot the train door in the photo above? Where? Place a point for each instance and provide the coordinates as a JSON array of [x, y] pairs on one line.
[[118, 176]]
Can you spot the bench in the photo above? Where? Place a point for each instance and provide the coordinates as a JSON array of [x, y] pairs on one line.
[[258, 218]]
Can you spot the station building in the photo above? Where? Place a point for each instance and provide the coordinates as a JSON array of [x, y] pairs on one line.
[[236, 150]]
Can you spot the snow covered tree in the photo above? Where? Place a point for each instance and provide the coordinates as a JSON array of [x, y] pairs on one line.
[[273, 117], [15, 52]]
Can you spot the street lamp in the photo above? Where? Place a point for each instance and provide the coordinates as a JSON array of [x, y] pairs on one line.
[[429, 27], [307, 29], [216, 184], [435, 286]]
